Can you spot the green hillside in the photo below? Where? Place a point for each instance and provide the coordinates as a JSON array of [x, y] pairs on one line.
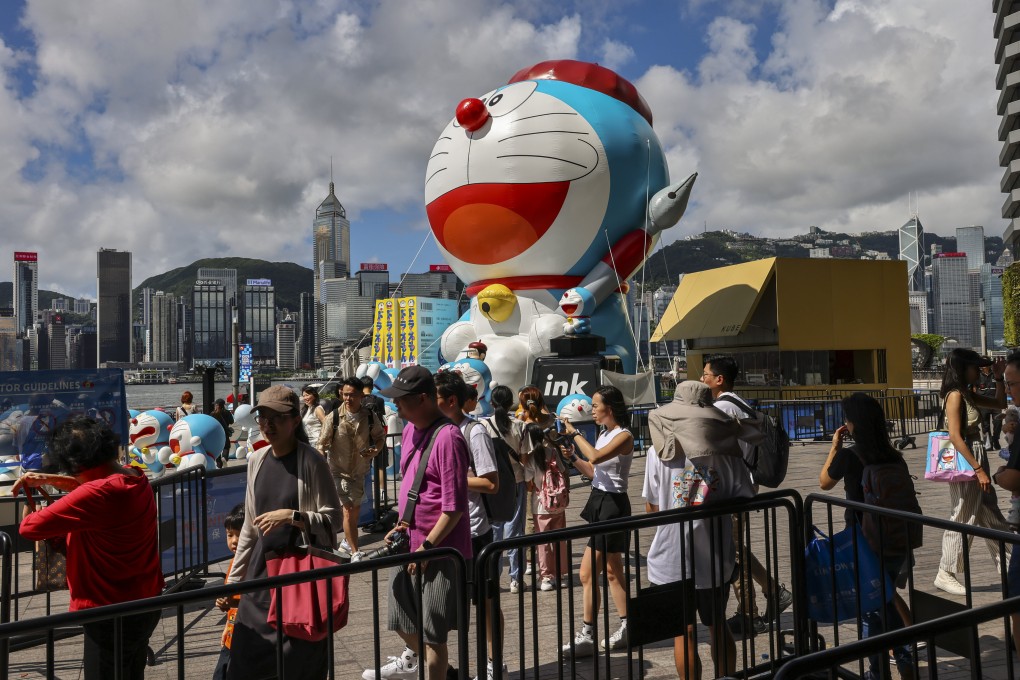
[[46, 297], [289, 279]]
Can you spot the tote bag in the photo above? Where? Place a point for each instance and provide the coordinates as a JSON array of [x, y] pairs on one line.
[[306, 606], [50, 568], [945, 464], [861, 579]]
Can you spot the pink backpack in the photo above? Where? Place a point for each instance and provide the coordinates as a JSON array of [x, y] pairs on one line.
[[555, 494]]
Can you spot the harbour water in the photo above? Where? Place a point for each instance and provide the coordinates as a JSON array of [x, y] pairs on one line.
[[144, 397]]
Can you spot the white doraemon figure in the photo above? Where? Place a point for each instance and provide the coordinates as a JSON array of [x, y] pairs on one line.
[[476, 373], [576, 408], [195, 440], [148, 434], [244, 418], [554, 184]]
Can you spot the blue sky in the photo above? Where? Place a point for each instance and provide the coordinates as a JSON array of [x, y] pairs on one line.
[[199, 129]]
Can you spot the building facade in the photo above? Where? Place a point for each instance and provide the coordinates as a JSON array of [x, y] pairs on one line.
[[971, 242], [113, 308], [257, 319], [211, 318], [163, 326], [306, 332], [10, 344], [286, 344], [331, 252], [955, 314], [991, 297], [25, 290], [911, 237]]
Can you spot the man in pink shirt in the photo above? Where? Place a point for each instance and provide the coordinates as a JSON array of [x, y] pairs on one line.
[[440, 519]]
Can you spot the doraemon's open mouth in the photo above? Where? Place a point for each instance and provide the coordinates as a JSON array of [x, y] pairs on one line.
[[568, 309], [145, 431], [490, 223], [175, 446]]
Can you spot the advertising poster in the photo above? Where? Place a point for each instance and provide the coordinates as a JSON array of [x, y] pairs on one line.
[[378, 352], [33, 403], [410, 326], [391, 330]]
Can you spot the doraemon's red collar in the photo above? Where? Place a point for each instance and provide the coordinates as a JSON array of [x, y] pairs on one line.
[[537, 282]]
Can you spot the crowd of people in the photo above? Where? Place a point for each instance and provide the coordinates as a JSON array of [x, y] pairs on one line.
[[306, 488]]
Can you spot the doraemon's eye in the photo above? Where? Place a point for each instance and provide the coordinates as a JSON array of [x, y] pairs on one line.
[[504, 100]]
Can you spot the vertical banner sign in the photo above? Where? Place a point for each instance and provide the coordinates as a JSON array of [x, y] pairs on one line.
[[411, 331], [402, 305], [33, 403], [392, 334], [378, 353], [244, 354]]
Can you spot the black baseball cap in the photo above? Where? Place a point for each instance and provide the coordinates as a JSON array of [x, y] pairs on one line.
[[411, 380]]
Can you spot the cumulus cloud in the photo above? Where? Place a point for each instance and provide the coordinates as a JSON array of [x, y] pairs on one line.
[[853, 107], [615, 53]]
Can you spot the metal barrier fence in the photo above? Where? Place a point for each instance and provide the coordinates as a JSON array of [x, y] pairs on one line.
[[918, 606], [652, 610], [6, 573], [181, 510], [179, 602]]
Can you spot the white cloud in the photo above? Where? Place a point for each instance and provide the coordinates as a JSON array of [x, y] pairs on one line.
[[615, 54], [850, 110]]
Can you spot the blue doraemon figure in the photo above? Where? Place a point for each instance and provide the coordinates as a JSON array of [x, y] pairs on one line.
[[148, 434], [576, 408], [195, 440], [476, 373], [545, 196]]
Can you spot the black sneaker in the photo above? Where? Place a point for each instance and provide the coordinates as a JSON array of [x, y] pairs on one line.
[[784, 600], [738, 623]]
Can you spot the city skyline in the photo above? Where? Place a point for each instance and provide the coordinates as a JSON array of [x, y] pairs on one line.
[[220, 139]]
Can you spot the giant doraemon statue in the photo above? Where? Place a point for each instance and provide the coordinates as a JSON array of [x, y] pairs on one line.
[[545, 196], [148, 434], [195, 440]]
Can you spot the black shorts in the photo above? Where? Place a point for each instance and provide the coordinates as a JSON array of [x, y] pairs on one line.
[[685, 600], [477, 543], [602, 506], [382, 459]]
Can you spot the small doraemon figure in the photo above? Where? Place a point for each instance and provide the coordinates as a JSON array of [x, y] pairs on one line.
[[575, 407], [195, 440], [545, 195], [148, 434], [476, 373]]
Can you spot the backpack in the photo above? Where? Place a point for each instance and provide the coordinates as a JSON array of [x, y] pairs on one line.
[[555, 494], [502, 505], [891, 486], [771, 457]]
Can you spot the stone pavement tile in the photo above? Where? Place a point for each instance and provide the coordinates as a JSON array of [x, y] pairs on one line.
[[546, 612]]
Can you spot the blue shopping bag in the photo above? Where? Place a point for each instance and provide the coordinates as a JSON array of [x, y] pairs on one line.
[[861, 579]]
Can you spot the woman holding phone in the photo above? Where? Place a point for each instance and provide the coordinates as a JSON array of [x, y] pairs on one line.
[[607, 464]]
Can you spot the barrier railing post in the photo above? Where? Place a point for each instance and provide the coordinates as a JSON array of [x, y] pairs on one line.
[[6, 574]]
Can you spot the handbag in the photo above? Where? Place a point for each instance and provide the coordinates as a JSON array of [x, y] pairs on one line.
[[50, 567], [945, 464], [696, 483], [861, 579], [306, 606]]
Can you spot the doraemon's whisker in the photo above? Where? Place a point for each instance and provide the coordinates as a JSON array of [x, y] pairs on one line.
[[534, 155], [554, 113], [434, 174], [544, 132], [442, 138], [440, 153]]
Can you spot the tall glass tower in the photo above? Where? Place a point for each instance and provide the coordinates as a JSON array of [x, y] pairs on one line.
[[971, 240], [912, 252], [113, 310], [26, 290], [331, 251]]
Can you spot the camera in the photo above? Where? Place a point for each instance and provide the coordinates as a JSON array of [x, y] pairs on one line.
[[399, 544]]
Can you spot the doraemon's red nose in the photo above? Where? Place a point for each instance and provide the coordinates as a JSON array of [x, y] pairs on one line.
[[472, 114]]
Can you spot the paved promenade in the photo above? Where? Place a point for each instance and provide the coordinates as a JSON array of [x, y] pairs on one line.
[[354, 644]]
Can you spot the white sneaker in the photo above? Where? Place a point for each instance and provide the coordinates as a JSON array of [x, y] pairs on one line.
[[515, 587], [617, 640], [584, 645], [548, 584], [527, 571], [358, 556], [491, 675], [947, 582], [344, 550], [403, 667]]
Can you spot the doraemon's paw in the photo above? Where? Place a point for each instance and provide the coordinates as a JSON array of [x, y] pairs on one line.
[[577, 302], [165, 454], [456, 338], [577, 325]]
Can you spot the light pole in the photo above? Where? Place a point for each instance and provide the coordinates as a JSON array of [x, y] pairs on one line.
[[235, 368]]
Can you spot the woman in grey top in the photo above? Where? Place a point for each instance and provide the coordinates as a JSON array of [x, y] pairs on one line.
[[607, 464]]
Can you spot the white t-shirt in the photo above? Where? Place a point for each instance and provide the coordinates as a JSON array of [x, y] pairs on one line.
[[611, 475], [729, 408], [483, 457], [676, 545]]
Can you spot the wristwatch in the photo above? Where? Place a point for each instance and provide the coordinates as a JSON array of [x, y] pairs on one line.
[[427, 544], [575, 433], [296, 517]]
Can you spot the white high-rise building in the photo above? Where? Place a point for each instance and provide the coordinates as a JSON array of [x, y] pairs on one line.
[[163, 327], [286, 344], [953, 297], [26, 290]]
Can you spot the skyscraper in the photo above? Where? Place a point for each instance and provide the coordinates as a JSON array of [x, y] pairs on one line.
[[211, 322], [306, 332], [257, 318], [912, 251], [228, 277], [955, 313], [331, 251], [991, 295], [286, 344], [1006, 80], [113, 309], [26, 290], [971, 240], [163, 327]]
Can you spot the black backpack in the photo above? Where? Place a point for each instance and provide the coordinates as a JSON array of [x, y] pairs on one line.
[[772, 456], [502, 505], [891, 486]]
